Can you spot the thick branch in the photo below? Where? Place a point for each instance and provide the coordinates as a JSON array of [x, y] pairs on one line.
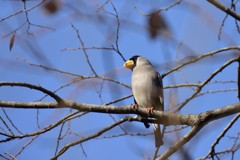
[[197, 121], [165, 118], [180, 143], [225, 9]]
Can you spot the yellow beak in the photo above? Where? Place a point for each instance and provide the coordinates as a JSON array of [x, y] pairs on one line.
[[128, 64]]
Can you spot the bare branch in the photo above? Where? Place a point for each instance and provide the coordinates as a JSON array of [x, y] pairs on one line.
[[161, 9], [212, 151], [48, 128], [10, 155], [84, 50], [165, 118], [31, 86], [59, 137], [180, 143], [220, 29], [65, 148], [87, 48], [6, 126], [23, 10], [11, 121], [238, 79], [205, 82], [78, 76], [26, 145], [225, 9], [200, 57]]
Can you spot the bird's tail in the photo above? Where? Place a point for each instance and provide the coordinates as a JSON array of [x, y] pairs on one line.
[[158, 135]]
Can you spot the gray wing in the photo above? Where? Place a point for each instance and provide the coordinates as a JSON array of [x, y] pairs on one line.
[[159, 84], [157, 130]]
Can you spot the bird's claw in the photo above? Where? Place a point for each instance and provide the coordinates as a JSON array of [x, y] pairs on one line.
[[134, 105], [149, 110]]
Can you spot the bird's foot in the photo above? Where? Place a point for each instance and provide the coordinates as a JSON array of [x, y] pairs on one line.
[[149, 110], [134, 105]]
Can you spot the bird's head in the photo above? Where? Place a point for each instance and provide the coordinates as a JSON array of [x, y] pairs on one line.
[[136, 61], [131, 63]]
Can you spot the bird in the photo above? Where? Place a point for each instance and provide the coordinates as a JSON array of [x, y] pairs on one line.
[[147, 88]]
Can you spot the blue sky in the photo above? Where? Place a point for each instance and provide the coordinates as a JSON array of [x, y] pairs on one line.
[[195, 23]]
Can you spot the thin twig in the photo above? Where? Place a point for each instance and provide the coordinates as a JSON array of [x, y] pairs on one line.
[[67, 146], [10, 155], [161, 9], [26, 145], [11, 121], [59, 137], [84, 50], [7, 126], [212, 151], [180, 71], [205, 82], [220, 29], [23, 10], [200, 57], [87, 48]]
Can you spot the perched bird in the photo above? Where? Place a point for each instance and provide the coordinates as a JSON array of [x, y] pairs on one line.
[[147, 89]]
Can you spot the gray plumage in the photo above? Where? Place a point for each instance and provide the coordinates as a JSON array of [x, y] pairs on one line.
[[148, 90]]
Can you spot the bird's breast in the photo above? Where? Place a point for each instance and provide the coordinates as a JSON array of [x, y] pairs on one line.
[[144, 90]]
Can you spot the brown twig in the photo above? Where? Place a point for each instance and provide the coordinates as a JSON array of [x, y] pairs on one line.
[[87, 48], [84, 50], [180, 143], [220, 90], [180, 71], [102, 5], [4, 157], [238, 79], [23, 10], [65, 148], [10, 155], [200, 57], [161, 9], [78, 76], [11, 121], [205, 82], [212, 151], [5, 133], [118, 25], [220, 29], [26, 145], [59, 138], [7, 126], [48, 128]]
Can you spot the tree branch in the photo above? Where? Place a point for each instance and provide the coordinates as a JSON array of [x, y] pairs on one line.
[[212, 151], [31, 86], [180, 143], [225, 9], [65, 148], [206, 81], [165, 118], [200, 57], [161, 9]]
